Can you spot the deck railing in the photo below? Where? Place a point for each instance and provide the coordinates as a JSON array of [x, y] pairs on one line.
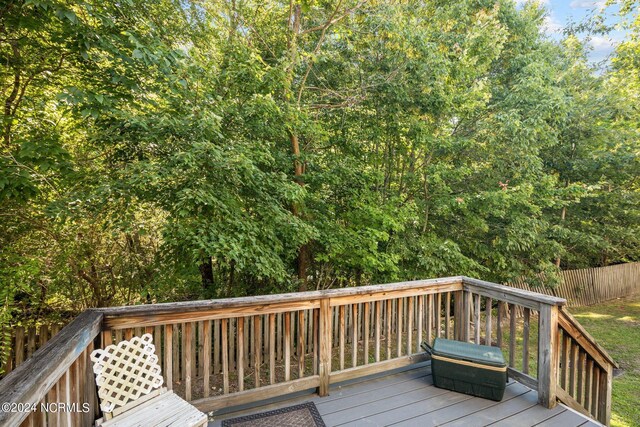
[[232, 351]]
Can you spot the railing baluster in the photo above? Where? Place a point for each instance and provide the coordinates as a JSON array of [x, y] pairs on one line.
[[168, 356], [387, 337], [566, 349], [200, 349], [225, 356], [66, 392], [279, 329], [488, 318], [308, 339], [216, 346], [272, 348], [512, 335], [265, 338], [336, 321], [588, 386], [468, 306], [52, 397], [232, 344], [582, 358], [476, 318], [447, 325], [90, 387], [316, 340], [429, 316], [247, 342], [378, 327], [365, 335], [595, 404], [499, 323], [206, 356], [342, 332], [107, 338], [410, 326], [186, 354], [257, 349], [573, 373], [301, 342], [419, 321], [559, 340], [241, 344], [399, 329], [176, 352], [74, 390], [157, 342], [354, 335], [438, 315], [287, 346], [525, 341]]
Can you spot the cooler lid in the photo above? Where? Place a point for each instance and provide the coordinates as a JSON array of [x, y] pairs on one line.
[[482, 354]]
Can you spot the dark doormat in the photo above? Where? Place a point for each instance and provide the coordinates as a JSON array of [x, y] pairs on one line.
[[303, 415]]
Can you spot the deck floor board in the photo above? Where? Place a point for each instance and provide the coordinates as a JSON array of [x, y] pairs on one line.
[[451, 414], [567, 418], [407, 397]]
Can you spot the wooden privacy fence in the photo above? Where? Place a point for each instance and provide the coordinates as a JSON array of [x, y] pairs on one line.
[[592, 285], [229, 352]]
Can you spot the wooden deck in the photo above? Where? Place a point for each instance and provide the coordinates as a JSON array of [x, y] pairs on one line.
[[407, 397], [320, 339]]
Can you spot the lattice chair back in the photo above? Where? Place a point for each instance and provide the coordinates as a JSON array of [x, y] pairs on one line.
[[126, 371]]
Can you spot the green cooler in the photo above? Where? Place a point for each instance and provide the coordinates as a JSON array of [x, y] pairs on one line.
[[478, 370]]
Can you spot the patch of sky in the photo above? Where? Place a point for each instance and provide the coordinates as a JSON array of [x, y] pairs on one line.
[[563, 14]]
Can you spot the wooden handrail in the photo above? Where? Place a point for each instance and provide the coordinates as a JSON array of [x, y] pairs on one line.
[[167, 313], [227, 303], [578, 333], [201, 339], [30, 382], [511, 295]]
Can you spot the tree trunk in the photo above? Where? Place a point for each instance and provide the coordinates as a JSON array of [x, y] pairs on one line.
[[298, 170], [206, 273], [563, 215]]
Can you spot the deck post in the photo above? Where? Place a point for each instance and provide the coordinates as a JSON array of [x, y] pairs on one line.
[[324, 370], [547, 355]]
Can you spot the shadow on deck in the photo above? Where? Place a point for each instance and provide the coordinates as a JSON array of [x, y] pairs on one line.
[[407, 397]]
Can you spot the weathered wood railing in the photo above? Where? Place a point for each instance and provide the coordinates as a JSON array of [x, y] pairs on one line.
[[585, 371], [233, 351], [55, 387]]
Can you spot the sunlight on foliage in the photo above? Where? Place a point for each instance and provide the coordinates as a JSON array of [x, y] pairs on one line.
[[158, 150]]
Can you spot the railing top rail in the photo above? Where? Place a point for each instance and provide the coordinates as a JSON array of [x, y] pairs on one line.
[[206, 305], [527, 298], [580, 334], [30, 382], [517, 296]]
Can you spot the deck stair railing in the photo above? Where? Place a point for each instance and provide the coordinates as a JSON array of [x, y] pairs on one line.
[[585, 371], [226, 352]]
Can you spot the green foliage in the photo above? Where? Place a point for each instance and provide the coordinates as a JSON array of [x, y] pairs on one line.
[[156, 151]]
